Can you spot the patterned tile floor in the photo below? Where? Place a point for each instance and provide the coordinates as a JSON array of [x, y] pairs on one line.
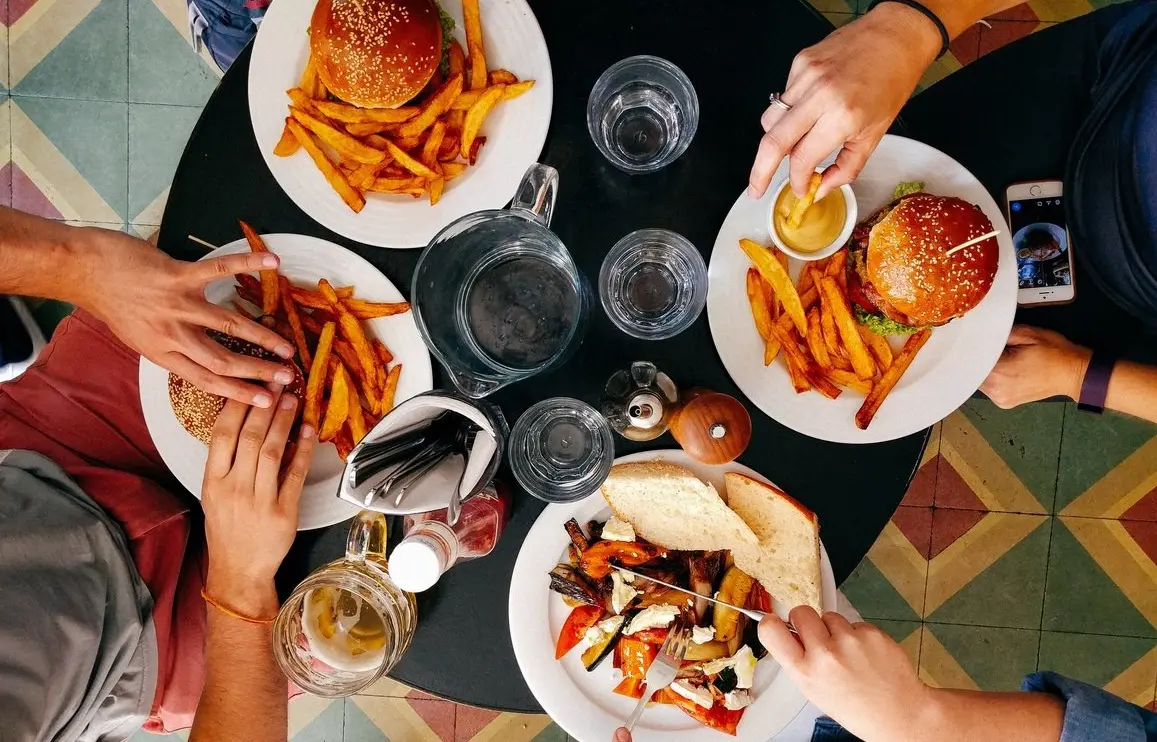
[[1029, 538]]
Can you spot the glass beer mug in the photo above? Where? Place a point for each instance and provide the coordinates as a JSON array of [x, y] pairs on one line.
[[347, 623]]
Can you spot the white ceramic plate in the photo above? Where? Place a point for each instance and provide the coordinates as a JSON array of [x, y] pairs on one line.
[[948, 369], [583, 703], [304, 260], [515, 131]]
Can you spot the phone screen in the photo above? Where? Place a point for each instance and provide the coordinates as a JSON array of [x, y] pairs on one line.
[[1041, 242]]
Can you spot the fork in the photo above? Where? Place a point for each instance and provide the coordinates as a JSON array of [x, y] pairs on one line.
[[663, 670]]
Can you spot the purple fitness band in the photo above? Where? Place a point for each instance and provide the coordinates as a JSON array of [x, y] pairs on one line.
[[1095, 387]]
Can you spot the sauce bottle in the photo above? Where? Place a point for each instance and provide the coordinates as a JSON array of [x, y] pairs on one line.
[[432, 546]]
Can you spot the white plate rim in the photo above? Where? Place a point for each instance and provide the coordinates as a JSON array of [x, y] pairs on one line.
[[177, 447], [533, 637], [962, 352], [516, 130]]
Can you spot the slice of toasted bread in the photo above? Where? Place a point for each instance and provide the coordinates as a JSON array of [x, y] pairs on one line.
[[670, 507], [787, 559]]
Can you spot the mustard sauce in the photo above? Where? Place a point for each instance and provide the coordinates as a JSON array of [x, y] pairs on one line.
[[821, 225]]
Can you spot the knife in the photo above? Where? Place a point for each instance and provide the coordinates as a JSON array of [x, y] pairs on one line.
[[751, 613]]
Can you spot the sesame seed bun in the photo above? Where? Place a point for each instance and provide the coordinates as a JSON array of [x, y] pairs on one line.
[[197, 409], [907, 266], [376, 53]]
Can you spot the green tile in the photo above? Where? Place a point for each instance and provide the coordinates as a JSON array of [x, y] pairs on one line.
[[143, 736], [157, 137], [163, 68], [1080, 597], [1010, 592], [1027, 438], [898, 630], [92, 135], [995, 659], [328, 726], [874, 597], [1096, 659], [552, 733], [1092, 446], [90, 62]]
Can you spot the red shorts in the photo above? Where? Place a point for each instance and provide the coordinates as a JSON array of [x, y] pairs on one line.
[[79, 405]]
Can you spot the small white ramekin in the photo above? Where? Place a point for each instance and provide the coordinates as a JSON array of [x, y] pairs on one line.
[[850, 219]]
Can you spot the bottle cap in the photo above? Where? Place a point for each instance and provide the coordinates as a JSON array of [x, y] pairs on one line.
[[416, 564]]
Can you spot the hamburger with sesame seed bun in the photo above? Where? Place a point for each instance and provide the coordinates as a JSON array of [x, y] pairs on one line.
[[900, 277], [377, 53], [197, 409]]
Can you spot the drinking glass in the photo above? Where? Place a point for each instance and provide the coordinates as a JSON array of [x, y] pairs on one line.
[[642, 113], [496, 296], [347, 623], [653, 284], [561, 450]]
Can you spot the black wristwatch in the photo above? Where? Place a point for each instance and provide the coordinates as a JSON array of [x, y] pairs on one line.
[[1095, 387]]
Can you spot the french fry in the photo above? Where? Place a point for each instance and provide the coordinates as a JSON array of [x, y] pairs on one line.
[[391, 389], [351, 329], [344, 443], [472, 21], [349, 357], [435, 188], [806, 279], [891, 377], [509, 92], [337, 410], [451, 143], [409, 163], [287, 144], [516, 89], [773, 272], [456, 58], [294, 320], [373, 309], [830, 333], [395, 185], [850, 380], [369, 128], [341, 141], [797, 359], [501, 77], [352, 197], [270, 290], [317, 374], [757, 298], [451, 170], [433, 145], [355, 419], [474, 147], [310, 82], [436, 105], [815, 341], [314, 300], [795, 218], [348, 114], [383, 352], [846, 324], [298, 98], [878, 344], [476, 116]]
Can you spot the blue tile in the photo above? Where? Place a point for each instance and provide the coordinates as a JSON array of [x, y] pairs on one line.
[[157, 137], [163, 68], [91, 61]]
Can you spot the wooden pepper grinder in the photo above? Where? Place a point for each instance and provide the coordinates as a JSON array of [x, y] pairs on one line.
[[711, 427]]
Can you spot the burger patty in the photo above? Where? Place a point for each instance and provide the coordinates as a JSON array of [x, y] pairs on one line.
[[861, 292]]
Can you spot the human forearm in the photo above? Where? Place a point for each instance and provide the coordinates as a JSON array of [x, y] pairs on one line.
[[963, 716], [43, 258], [959, 15], [245, 693], [1133, 390]]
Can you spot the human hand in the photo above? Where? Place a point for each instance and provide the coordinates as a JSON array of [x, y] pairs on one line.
[[621, 735], [250, 506], [854, 673], [156, 305], [1036, 364], [844, 92]]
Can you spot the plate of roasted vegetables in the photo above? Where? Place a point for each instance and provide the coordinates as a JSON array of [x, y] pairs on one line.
[[585, 633]]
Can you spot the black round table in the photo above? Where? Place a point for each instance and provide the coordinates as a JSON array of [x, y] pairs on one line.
[[736, 54]]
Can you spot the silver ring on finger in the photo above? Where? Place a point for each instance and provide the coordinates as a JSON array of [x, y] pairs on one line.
[[778, 102]]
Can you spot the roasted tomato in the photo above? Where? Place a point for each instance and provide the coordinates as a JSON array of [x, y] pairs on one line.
[[575, 628], [600, 558], [636, 656], [717, 717], [631, 687], [652, 636]]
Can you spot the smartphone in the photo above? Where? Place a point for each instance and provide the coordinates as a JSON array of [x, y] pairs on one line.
[[1040, 239]]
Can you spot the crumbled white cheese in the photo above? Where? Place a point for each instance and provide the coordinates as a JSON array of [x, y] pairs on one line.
[[701, 696], [652, 617], [743, 663], [702, 634], [600, 631], [737, 699], [618, 530], [621, 593]]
